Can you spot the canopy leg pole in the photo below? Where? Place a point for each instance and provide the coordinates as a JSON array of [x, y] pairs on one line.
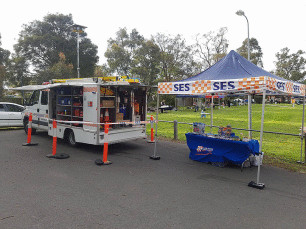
[[154, 157], [211, 112], [250, 115], [252, 183], [302, 134]]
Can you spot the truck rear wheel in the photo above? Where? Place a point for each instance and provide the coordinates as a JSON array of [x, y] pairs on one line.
[[70, 138]]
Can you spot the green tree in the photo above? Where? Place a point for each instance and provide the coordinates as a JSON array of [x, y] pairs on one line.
[[291, 66], [146, 62], [255, 51], [40, 43], [102, 70], [160, 58], [176, 59], [211, 47], [59, 70], [121, 51], [19, 74], [4, 62]]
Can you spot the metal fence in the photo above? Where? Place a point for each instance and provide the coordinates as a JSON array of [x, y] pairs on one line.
[[175, 129]]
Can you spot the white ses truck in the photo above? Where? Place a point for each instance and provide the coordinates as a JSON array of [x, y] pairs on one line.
[[87, 102]]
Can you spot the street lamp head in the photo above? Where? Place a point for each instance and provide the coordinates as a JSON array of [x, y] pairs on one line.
[[78, 28], [240, 13]]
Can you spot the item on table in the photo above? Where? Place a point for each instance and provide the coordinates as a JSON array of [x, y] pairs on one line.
[[195, 128], [199, 128], [220, 131], [202, 128], [228, 131]]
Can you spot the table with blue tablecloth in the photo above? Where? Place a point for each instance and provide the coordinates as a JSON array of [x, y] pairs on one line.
[[212, 149]]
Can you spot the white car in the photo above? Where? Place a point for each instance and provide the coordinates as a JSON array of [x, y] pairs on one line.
[[11, 114], [239, 101]]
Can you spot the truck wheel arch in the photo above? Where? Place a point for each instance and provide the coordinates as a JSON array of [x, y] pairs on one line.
[[70, 137]]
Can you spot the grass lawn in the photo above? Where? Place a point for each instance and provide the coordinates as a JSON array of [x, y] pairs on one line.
[[280, 150]]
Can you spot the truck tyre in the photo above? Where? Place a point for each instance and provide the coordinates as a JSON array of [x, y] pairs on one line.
[[70, 138], [25, 126]]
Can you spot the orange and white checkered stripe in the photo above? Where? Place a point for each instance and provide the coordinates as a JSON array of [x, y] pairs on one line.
[[201, 86], [90, 89], [302, 89], [271, 83], [289, 87], [165, 88], [253, 83]]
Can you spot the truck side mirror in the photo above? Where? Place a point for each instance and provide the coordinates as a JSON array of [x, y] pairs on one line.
[[26, 102]]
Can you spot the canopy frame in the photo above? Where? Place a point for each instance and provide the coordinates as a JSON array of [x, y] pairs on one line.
[[252, 85]]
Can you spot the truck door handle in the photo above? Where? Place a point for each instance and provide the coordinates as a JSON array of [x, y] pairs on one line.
[[37, 110]]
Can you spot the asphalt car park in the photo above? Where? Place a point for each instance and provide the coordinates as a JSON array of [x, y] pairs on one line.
[[136, 192]]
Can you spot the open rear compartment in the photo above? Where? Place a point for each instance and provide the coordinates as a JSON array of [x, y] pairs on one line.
[[122, 104], [140, 97], [67, 104]]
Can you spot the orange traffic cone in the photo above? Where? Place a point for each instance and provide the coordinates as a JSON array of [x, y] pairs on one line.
[[29, 133], [106, 117]]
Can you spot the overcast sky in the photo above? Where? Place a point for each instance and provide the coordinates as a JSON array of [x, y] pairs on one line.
[[275, 24]]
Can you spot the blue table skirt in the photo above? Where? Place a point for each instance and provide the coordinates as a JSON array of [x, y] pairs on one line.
[[207, 149]]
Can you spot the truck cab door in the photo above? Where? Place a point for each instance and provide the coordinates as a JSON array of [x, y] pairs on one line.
[[43, 110], [33, 107]]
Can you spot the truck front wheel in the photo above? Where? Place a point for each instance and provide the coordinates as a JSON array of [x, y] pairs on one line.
[[26, 125], [70, 138]]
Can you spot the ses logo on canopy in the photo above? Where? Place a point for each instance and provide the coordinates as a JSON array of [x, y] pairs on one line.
[[216, 86], [283, 85]]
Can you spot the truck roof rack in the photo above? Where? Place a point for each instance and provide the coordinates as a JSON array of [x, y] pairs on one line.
[[99, 79]]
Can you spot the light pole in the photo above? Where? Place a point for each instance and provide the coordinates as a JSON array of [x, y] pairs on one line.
[[241, 13], [78, 29]]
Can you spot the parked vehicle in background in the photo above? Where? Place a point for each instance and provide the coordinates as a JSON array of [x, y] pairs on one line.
[[239, 102], [11, 114]]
